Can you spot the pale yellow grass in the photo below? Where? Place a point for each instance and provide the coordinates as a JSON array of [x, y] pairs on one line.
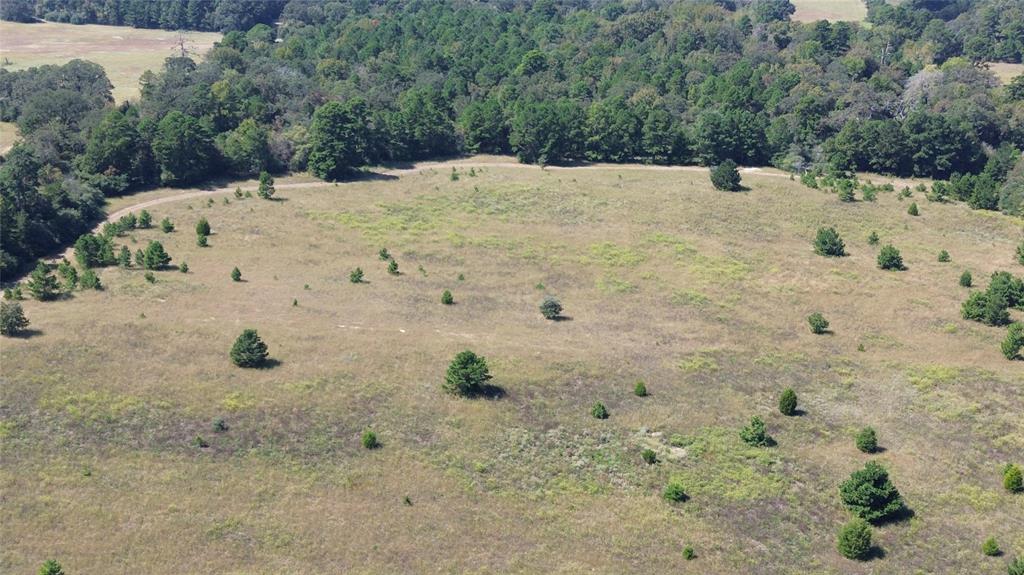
[[833, 10], [125, 53], [1006, 71]]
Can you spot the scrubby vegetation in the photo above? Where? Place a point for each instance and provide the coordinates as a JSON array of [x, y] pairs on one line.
[[854, 541], [870, 495]]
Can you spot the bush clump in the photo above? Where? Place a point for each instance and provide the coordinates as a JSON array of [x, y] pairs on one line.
[[889, 258], [447, 298], [1012, 478], [551, 308], [393, 268], [640, 389], [266, 189], [356, 276], [912, 210], [202, 227], [966, 279], [866, 440], [755, 434], [726, 177], [467, 374], [90, 280], [873, 238], [870, 495], [828, 243], [599, 411], [818, 323], [787, 402], [236, 275], [944, 257], [674, 491], [155, 257], [51, 567], [166, 226], [41, 283], [249, 350], [854, 541], [986, 307], [12, 319], [991, 547], [369, 440], [649, 456], [1014, 341]]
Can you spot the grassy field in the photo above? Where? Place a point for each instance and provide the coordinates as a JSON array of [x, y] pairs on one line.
[[833, 10], [125, 53], [702, 294], [1006, 71]]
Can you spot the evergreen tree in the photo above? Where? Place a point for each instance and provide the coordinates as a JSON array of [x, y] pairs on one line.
[[12, 319], [1013, 480], [393, 268], [870, 494], [828, 243], [599, 411], [866, 440], [854, 540], [236, 275], [248, 350], [202, 227], [965, 279], [68, 273], [944, 257], [818, 323], [202, 241], [183, 268], [1014, 341], [356, 276], [41, 284], [145, 220], [166, 226], [755, 434], [873, 238], [912, 210], [551, 308], [384, 255], [991, 547], [90, 280], [369, 440], [51, 567], [155, 257], [124, 257], [725, 176], [787, 402], [889, 258], [467, 374], [446, 298], [640, 389], [266, 189]]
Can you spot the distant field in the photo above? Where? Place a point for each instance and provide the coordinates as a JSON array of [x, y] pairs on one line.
[[125, 53], [702, 294], [8, 133], [1006, 71], [833, 10]]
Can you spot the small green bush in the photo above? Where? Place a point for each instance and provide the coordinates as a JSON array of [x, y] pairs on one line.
[[201, 241], [1014, 341], [787, 402], [51, 567], [990, 547], [236, 275], [145, 220], [356, 276], [202, 227], [966, 279], [248, 350], [149, 277], [467, 374], [91, 281], [369, 440], [640, 389], [1020, 253], [12, 319], [183, 268], [854, 541], [689, 554], [551, 308], [818, 323], [1012, 478], [1016, 567], [828, 243], [599, 411], [866, 440], [873, 238], [384, 255], [649, 456], [846, 194], [912, 210], [447, 298], [674, 491], [870, 495], [889, 258], [755, 433], [726, 177], [393, 268], [166, 226], [220, 425], [944, 257]]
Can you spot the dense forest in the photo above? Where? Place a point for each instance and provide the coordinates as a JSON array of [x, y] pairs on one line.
[[332, 86]]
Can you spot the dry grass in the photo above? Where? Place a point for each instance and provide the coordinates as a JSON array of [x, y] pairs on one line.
[[1005, 71], [702, 294], [833, 10], [125, 53], [8, 134]]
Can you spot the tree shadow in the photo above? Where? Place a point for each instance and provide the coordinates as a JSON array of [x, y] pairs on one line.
[[562, 318], [904, 514], [874, 553], [798, 413], [28, 333], [488, 391], [270, 363], [277, 199]]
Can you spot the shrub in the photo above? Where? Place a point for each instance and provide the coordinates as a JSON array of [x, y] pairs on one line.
[[846, 194], [12, 319], [787, 402], [854, 541], [649, 456], [266, 189], [236, 275], [183, 268], [369, 440], [755, 433], [1014, 341], [51, 567], [599, 411], [873, 238], [870, 495], [90, 280], [393, 268], [866, 440], [124, 257], [985, 307], [1012, 478], [220, 426], [551, 308], [1010, 289], [356, 276], [201, 241], [41, 284], [128, 222], [238, 192], [155, 257], [990, 547], [640, 389], [202, 227], [726, 177], [889, 258], [68, 273], [248, 350], [145, 220], [966, 279], [140, 258], [912, 210], [674, 491], [467, 374], [944, 257], [166, 226], [384, 255], [818, 323], [1016, 567], [150, 277], [828, 243], [1020, 253], [446, 298], [688, 553]]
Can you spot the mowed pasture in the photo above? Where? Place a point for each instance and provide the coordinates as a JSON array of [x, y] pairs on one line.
[[702, 294], [832, 10], [125, 53]]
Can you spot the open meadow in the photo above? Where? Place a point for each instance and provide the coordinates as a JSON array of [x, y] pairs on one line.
[[112, 463], [832, 10]]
